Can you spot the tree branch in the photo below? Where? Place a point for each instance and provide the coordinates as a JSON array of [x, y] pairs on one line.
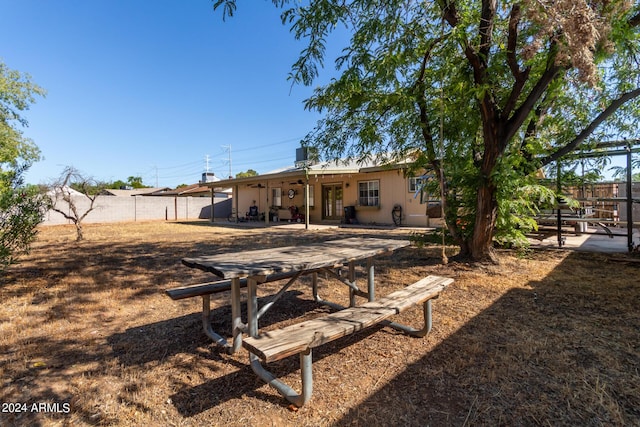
[[612, 108], [520, 115], [486, 28], [512, 39], [520, 76], [532, 128], [449, 12], [70, 218], [422, 103]]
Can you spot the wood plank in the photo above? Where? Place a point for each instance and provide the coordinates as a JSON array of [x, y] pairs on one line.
[[284, 342], [201, 289], [219, 286], [293, 258]]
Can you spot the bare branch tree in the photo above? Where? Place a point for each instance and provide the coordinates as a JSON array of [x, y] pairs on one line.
[[67, 189]]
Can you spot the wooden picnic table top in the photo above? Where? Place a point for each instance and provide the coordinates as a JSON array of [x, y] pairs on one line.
[[293, 258]]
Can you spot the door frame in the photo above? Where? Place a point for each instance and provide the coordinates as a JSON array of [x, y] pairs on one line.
[[337, 210]]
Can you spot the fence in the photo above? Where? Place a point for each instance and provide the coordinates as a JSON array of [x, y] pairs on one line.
[[142, 208], [635, 194]]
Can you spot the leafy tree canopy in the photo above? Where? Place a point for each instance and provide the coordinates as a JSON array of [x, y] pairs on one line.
[[132, 181], [483, 92], [246, 174], [17, 93], [21, 207]]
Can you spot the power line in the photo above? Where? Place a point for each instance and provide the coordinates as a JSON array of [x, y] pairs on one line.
[[187, 170], [268, 145], [180, 166], [228, 149]]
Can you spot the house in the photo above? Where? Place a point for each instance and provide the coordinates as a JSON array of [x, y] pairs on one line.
[[336, 192]]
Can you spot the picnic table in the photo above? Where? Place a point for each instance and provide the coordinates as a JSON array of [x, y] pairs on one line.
[[252, 268]]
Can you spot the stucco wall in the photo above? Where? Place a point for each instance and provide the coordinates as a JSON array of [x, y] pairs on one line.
[[394, 189], [142, 208]]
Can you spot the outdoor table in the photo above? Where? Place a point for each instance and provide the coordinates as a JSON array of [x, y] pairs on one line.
[[290, 262]]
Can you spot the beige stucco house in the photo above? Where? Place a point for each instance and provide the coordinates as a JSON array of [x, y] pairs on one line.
[[335, 192]]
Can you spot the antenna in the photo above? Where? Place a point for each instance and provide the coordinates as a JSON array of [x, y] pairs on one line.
[[206, 160]]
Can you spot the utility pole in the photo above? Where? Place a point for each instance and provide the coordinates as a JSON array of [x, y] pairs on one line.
[[227, 148]]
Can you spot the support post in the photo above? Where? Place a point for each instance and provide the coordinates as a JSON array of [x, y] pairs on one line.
[[352, 279], [236, 315], [629, 201], [371, 284], [559, 213], [213, 203], [252, 306], [306, 203], [236, 202]]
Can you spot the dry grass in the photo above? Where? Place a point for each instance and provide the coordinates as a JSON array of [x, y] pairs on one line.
[[548, 339]]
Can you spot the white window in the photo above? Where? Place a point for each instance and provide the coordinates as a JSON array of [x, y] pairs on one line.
[[276, 197], [415, 184], [369, 193]]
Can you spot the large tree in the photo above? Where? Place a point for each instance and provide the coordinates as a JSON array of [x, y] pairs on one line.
[[21, 207], [482, 92]]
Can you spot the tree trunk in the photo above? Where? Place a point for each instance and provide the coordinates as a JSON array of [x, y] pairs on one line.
[[79, 231], [481, 244]]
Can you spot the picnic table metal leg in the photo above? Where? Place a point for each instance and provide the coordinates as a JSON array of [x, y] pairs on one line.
[[286, 391], [236, 321], [371, 284], [352, 279], [305, 358], [206, 324], [317, 298], [419, 333], [252, 306], [236, 315], [278, 295]]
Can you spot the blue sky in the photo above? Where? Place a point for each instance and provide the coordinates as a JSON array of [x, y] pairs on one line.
[[139, 88], [150, 88]]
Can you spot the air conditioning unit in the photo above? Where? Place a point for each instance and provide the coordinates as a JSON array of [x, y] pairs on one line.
[[305, 156]]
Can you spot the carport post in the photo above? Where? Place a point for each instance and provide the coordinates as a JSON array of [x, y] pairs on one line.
[[235, 201], [629, 201], [306, 205], [306, 196], [213, 203]]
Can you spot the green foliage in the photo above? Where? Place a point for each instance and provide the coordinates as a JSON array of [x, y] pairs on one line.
[[21, 210], [21, 207], [483, 93], [620, 172], [135, 182], [420, 239], [246, 174], [132, 181]]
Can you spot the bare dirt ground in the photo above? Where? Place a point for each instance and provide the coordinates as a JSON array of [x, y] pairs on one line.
[[544, 338]]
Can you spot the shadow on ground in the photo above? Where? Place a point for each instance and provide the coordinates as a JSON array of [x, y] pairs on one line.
[[561, 352]]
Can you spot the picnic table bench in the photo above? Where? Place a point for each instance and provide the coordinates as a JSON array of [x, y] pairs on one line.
[[205, 290], [251, 268], [301, 338]]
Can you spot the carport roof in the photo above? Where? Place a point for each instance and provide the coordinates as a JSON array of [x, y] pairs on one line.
[[323, 168]]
